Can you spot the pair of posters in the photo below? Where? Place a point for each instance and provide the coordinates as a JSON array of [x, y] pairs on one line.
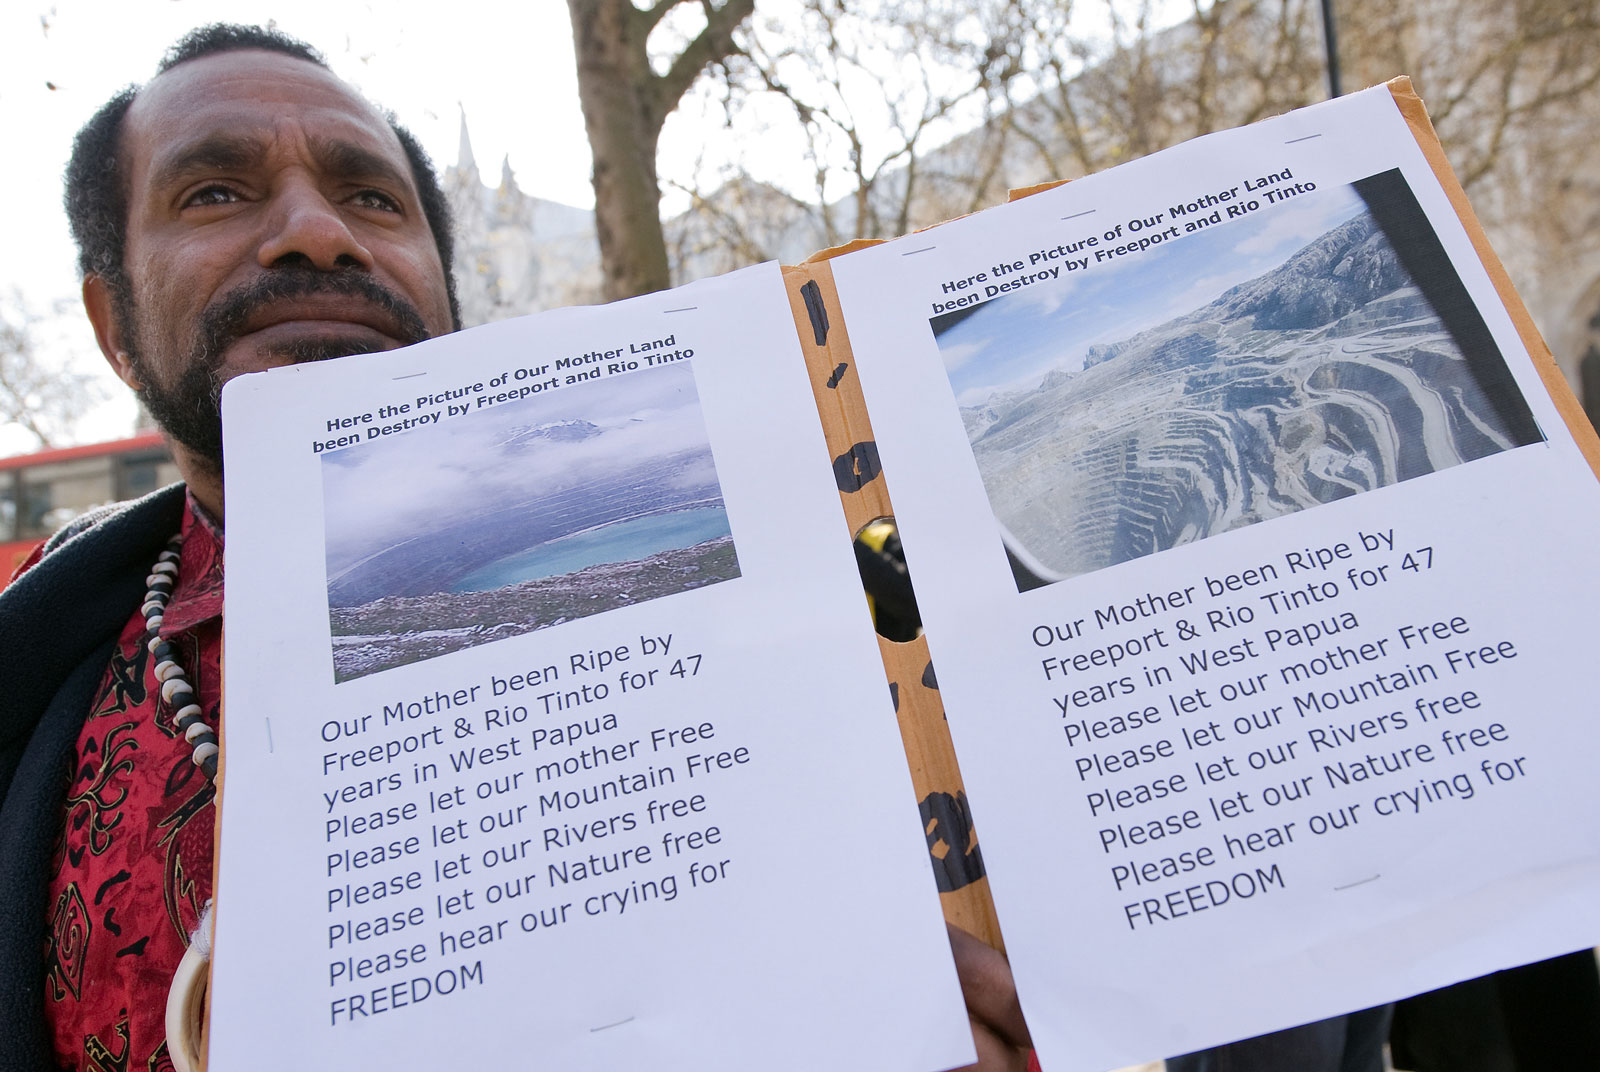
[[1247, 539]]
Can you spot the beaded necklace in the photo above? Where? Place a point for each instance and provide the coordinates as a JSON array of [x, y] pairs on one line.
[[185, 1015], [176, 691]]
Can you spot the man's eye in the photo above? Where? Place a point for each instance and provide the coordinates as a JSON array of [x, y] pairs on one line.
[[211, 195], [377, 199]]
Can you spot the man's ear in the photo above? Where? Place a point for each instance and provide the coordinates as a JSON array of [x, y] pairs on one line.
[[98, 303]]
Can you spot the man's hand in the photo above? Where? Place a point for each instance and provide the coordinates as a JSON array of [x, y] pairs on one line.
[[997, 1026]]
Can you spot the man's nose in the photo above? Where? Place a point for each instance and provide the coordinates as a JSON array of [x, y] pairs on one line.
[[306, 225]]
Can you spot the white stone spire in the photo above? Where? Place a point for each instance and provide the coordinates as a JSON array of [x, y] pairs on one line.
[[464, 161]]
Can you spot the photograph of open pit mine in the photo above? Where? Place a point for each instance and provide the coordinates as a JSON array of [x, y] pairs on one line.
[[520, 516], [1319, 345]]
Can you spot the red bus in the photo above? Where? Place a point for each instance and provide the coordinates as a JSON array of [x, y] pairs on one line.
[[42, 491]]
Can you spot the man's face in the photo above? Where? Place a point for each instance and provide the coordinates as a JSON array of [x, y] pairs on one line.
[[272, 219]]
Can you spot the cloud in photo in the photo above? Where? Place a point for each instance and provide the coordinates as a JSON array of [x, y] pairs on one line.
[[429, 478], [959, 354]]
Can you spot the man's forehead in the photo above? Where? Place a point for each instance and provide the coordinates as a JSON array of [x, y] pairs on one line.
[[243, 92]]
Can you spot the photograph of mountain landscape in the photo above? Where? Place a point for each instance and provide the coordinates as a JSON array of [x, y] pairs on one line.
[[521, 516], [1319, 346]]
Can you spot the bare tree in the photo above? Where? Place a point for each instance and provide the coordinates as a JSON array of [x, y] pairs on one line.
[[872, 85], [1093, 100], [1492, 74], [859, 92], [626, 99], [906, 112], [36, 395]]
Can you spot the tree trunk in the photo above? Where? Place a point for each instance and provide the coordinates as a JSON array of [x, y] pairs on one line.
[[624, 104], [614, 86]]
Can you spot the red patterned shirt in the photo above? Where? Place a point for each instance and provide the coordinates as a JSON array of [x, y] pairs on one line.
[[132, 865]]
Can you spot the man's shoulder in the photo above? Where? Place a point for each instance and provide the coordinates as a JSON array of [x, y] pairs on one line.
[[83, 523], [94, 529]]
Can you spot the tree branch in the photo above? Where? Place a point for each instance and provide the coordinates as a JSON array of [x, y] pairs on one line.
[[646, 19], [712, 45]]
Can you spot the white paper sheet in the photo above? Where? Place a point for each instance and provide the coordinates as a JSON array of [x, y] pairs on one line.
[[1297, 719], [676, 833]]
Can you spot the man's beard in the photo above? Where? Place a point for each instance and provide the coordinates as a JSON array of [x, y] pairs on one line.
[[190, 408]]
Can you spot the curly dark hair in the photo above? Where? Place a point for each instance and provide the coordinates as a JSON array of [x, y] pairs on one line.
[[96, 199]]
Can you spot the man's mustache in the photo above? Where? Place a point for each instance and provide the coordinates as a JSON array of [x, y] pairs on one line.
[[224, 320]]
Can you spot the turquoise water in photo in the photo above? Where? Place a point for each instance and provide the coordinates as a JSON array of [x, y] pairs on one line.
[[620, 541]]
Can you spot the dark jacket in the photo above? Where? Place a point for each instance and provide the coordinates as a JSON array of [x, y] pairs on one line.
[[58, 625]]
